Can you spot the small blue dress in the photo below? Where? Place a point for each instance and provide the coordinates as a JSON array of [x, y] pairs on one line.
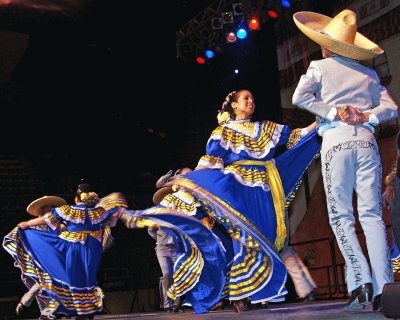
[[395, 256]]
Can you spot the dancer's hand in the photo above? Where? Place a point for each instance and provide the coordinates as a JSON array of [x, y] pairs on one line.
[[388, 196], [23, 224], [162, 181]]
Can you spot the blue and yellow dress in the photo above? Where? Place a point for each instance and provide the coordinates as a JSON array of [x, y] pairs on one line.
[[65, 264], [245, 191], [199, 273], [395, 256]]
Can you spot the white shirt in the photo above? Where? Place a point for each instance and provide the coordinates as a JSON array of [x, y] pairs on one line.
[[334, 82]]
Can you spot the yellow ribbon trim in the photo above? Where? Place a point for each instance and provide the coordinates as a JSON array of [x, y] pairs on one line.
[[278, 197]]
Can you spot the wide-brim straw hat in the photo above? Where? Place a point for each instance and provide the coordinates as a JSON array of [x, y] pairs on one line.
[[161, 193], [34, 207], [338, 34]]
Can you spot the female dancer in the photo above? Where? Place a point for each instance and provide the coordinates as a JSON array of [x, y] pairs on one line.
[[244, 190], [65, 264]]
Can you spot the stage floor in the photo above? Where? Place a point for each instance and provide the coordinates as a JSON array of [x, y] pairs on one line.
[[318, 310]]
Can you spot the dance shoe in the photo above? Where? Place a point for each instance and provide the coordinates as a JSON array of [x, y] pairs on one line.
[[177, 305], [240, 305], [218, 306], [377, 304], [20, 309], [43, 317], [359, 298], [309, 297]]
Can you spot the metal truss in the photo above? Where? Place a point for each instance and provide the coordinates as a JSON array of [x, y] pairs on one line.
[[198, 33]]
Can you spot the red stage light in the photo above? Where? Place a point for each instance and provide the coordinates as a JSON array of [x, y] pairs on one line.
[[272, 14], [254, 24], [200, 60]]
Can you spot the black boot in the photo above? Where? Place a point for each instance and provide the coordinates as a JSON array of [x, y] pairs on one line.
[[359, 298], [177, 305], [377, 304], [20, 309]]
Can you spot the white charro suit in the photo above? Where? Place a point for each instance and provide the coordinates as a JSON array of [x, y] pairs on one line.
[[350, 161]]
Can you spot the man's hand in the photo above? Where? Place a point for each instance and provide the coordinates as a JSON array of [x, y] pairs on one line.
[[351, 115]]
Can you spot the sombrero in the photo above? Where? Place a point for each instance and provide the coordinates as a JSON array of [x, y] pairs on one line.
[[161, 193], [34, 207], [338, 34]]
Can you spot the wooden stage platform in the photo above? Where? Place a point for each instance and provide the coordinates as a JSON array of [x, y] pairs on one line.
[[317, 310]]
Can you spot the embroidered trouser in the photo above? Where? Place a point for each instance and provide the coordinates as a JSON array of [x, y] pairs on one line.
[[351, 162]]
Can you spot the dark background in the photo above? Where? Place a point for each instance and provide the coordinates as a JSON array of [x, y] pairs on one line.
[[98, 94]]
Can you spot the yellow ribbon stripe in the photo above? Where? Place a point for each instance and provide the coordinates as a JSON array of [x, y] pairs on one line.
[[278, 197]]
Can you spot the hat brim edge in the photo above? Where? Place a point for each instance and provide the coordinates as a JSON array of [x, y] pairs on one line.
[[161, 193], [34, 206], [352, 51]]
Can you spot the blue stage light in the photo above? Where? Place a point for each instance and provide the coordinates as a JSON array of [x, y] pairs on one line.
[[241, 33], [209, 54]]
